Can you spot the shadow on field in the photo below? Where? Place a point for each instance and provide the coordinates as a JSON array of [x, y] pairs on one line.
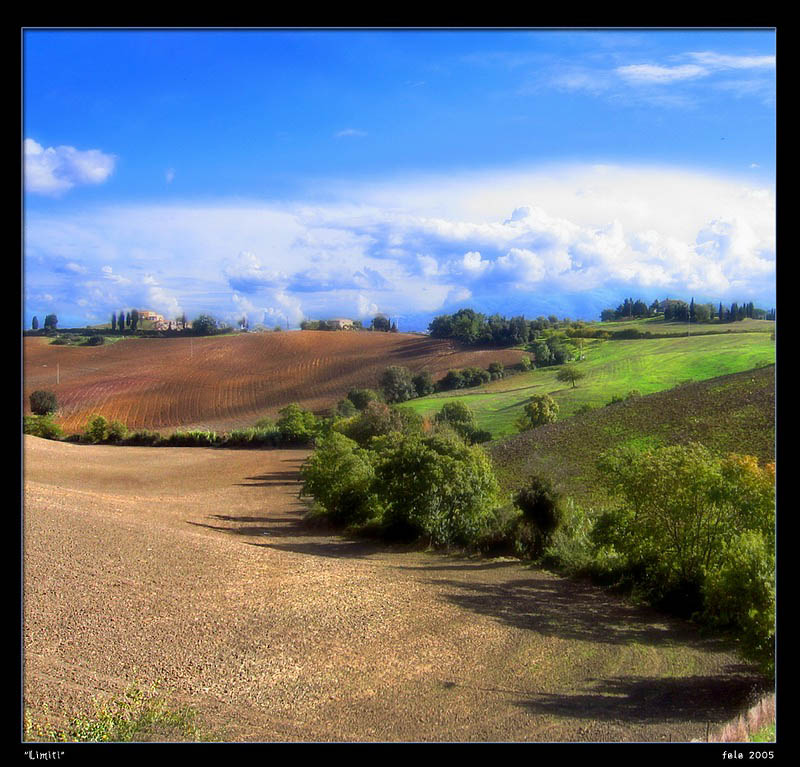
[[647, 700], [568, 609], [270, 479]]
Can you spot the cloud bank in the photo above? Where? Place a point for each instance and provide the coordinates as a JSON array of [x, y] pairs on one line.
[[568, 239]]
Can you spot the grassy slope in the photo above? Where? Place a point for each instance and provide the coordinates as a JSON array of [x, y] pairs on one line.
[[612, 368], [733, 413], [658, 325]]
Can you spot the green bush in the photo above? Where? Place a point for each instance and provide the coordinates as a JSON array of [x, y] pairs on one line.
[[43, 402], [423, 384], [297, 425], [117, 431], [397, 385], [378, 419], [97, 429], [338, 475], [362, 397], [539, 410], [143, 437], [192, 438], [41, 426], [434, 488]]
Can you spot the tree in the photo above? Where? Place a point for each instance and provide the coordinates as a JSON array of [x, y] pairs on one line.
[[496, 370], [204, 325], [539, 410], [423, 383], [296, 424], [113, 322], [542, 506], [50, 322], [35, 323], [570, 374], [43, 402], [134, 319], [459, 417], [381, 322], [121, 322], [397, 385], [362, 397], [128, 320]]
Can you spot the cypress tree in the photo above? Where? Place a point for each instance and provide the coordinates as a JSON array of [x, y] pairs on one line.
[[113, 321], [35, 323]]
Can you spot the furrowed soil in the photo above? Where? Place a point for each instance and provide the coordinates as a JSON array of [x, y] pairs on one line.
[[191, 566], [230, 381]]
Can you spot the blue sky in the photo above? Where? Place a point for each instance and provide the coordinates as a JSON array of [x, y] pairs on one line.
[[299, 174]]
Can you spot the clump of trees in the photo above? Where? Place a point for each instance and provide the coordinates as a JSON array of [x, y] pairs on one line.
[[695, 532], [405, 483]]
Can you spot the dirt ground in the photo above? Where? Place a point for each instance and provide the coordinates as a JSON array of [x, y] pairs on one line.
[[191, 567]]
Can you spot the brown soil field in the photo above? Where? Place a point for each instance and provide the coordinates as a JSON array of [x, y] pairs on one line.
[[192, 567], [227, 382]]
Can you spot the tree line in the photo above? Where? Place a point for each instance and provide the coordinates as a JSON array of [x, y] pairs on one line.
[[680, 311]]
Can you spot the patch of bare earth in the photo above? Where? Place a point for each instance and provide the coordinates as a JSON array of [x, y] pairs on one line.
[[191, 567]]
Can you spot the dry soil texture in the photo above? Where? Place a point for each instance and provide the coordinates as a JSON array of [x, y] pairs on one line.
[[226, 382], [190, 566]]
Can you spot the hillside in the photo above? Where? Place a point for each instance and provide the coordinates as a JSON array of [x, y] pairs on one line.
[[612, 368], [733, 413], [225, 382]]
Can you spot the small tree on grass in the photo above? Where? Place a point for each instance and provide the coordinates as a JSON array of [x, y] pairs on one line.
[[570, 374], [539, 410], [43, 402], [397, 385]]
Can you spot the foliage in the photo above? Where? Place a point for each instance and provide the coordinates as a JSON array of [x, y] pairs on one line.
[[423, 384], [97, 429], [192, 438], [35, 323], [338, 475], [381, 322], [694, 527], [117, 431], [496, 370], [539, 410], [41, 426], [137, 716], [542, 506], [43, 402], [570, 374], [434, 488], [50, 322], [95, 340], [204, 325], [396, 384], [362, 397], [378, 419], [296, 424]]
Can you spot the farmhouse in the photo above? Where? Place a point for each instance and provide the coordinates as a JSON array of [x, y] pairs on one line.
[[340, 323]]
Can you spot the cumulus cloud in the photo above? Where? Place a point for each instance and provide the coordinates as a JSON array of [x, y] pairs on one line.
[[56, 170], [530, 237]]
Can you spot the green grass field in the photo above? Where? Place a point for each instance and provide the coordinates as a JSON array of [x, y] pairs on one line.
[[658, 325], [611, 368]]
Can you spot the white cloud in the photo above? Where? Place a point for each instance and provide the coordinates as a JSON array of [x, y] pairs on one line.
[[418, 245], [56, 170], [723, 61], [350, 133], [651, 73]]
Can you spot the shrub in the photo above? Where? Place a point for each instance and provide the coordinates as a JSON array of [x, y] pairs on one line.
[[434, 488], [379, 419], [296, 424], [41, 426], [496, 370], [362, 397], [539, 410], [633, 394], [615, 399], [43, 402], [345, 408], [97, 429], [542, 506], [143, 438], [117, 431], [192, 438], [338, 475], [525, 364], [452, 380], [397, 385], [95, 340], [423, 384]]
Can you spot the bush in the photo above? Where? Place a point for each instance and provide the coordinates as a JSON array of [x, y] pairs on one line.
[[143, 438], [496, 370], [539, 410], [338, 475], [41, 426], [296, 424], [95, 340], [97, 429], [362, 397], [397, 385], [117, 431], [43, 402], [542, 506], [379, 419], [192, 438], [525, 364], [423, 384], [434, 488]]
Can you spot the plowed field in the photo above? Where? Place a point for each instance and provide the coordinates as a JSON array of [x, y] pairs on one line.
[[226, 382], [191, 567]]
